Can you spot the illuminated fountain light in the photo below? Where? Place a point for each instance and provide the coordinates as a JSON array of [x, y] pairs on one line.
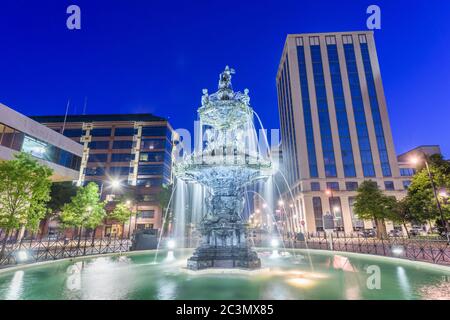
[[170, 255], [22, 256], [274, 244]]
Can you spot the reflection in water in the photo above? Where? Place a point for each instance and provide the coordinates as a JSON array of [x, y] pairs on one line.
[[73, 282], [101, 278], [16, 286], [167, 289], [439, 291], [404, 282]]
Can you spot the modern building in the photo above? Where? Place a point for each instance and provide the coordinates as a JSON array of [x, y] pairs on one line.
[[124, 154], [335, 128], [20, 133], [406, 161]]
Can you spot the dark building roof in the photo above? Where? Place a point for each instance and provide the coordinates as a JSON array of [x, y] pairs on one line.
[[99, 117]]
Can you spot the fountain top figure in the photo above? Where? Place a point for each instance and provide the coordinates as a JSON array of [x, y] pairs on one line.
[[228, 162]]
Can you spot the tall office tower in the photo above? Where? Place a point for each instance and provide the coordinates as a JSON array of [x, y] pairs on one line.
[[135, 149], [334, 126]]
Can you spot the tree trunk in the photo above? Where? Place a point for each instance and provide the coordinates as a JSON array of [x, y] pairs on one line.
[[381, 229], [4, 243], [406, 229]]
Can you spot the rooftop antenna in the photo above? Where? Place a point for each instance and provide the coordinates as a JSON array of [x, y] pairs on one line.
[[85, 105], [65, 116]]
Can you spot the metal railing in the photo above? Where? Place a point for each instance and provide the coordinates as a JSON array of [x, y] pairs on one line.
[[37, 250], [432, 251]]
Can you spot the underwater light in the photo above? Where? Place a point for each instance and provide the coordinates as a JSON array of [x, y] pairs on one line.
[[274, 243], [171, 244], [22, 255], [397, 250]]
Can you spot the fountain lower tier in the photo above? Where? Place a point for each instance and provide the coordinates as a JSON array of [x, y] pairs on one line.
[[224, 245]]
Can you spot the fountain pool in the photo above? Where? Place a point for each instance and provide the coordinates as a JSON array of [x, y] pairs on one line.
[[289, 276]]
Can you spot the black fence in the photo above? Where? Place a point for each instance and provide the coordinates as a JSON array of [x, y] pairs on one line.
[[36, 250], [432, 251]]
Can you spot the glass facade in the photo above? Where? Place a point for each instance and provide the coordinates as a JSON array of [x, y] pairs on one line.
[[351, 185], [336, 210], [309, 131], [315, 186], [358, 110], [19, 141], [341, 112], [322, 110], [407, 172], [376, 116]]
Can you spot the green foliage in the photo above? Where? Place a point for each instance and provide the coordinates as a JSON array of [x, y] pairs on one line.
[[85, 208], [372, 204], [121, 213], [421, 201], [60, 194], [24, 192]]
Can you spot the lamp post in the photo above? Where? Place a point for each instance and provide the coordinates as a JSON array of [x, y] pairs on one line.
[[438, 203]]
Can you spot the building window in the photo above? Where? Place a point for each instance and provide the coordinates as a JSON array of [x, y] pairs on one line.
[[322, 109], [341, 112], [152, 144], [406, 184], [314, 41], [150, 170], [351, 185], [334, 186], [154, 131], [73, 133], [375, 108], [126, 144], [389, 185], [122, 157], [95, 171], [336, 211], [362, 38], [149, 182], [100, 157], [119, 171], [35, 147], [147, 214], [119, 132], [347, 39], [315, 186], [101, 132], [99, 145], [309, 132], [318, 213], [407, 172], [358, 110], [152, 157]]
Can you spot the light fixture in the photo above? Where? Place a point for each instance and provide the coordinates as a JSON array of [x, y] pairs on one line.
[[274, 243], [280, 202], [171, 244], [115, 183]]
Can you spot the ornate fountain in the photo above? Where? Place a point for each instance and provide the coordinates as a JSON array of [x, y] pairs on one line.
[[225, 165]]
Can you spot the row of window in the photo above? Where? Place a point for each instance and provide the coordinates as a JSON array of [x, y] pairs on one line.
[[127, 157], [309, 131], [154, 170], [341, 112], [19, 141], [352, 185], [146, 144], [377, 122], [323, 113], [286, 117], [119, 132]]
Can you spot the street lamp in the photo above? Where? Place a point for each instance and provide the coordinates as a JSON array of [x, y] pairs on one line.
[[416, 160]]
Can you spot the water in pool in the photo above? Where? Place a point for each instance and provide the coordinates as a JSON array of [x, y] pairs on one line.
[[296, 275]]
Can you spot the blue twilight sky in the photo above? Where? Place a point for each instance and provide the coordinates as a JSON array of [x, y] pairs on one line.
[[156, 56]]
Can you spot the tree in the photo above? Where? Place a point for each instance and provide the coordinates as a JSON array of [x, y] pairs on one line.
[[85, 210], [421, 200], [372, 204], [402, 214], [24, 193], [60, 194], [121, 213], [164, 201]]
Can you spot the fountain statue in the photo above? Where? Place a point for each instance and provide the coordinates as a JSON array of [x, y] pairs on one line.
[[228, 163]]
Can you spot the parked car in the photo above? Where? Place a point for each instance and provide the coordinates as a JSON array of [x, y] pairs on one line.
[[396, 233], [367, 233]]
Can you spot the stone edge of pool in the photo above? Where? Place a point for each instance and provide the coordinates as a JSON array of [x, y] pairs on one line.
[[427, 265]]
